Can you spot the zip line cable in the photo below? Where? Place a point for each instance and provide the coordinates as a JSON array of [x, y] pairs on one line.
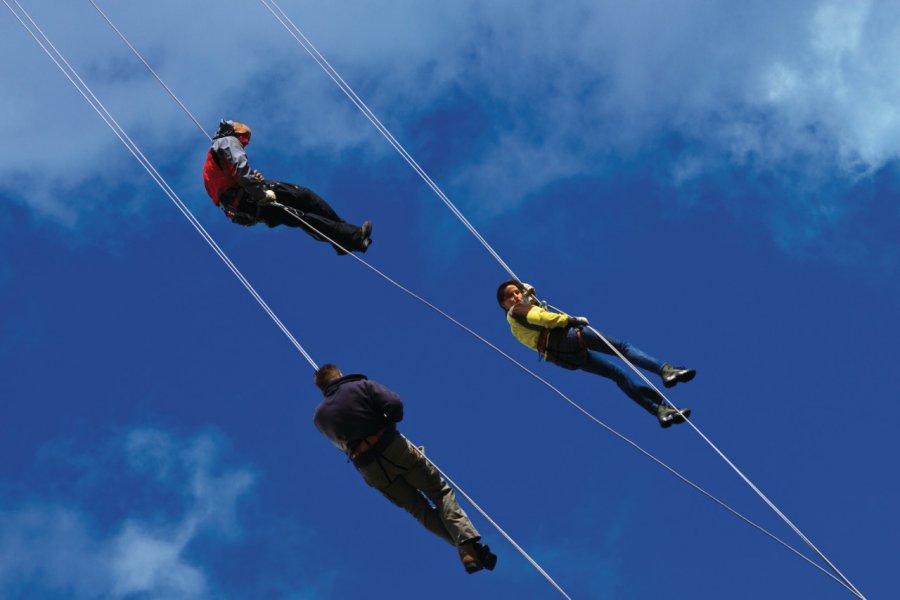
[[304, 42], [107, 117], [842, 580], [486, 516], [727, 461], [85, 91], [152, 72], [301, 39], [574, 404]]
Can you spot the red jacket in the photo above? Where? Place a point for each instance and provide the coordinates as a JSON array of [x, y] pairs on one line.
[[227, 167]]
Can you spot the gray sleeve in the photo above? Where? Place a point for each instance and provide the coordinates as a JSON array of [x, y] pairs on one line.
[[230, 149]]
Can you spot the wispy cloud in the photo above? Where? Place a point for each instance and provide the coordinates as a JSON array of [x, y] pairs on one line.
[[53, 545], [799, 96]]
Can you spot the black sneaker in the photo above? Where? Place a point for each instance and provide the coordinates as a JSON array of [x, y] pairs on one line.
[[487, 558], [672, 375], [669, 416]]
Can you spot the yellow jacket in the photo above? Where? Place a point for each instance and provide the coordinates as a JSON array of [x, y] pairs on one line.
[[529, 322]]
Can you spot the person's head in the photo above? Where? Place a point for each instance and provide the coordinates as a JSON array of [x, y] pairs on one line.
[[326, 375], [235, 128], [509, 294], [242, 132]]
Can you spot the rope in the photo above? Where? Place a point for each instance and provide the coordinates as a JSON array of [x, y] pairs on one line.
[[491, 521], [85, 91], [740, 473], [571, 402], [152, 72], [304, 42], [372, 118], [135, 151], [294, 213]]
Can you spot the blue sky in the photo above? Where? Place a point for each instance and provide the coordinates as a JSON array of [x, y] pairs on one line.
[[715, 184]]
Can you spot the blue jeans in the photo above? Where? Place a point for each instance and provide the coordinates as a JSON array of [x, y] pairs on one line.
[[564, 349]]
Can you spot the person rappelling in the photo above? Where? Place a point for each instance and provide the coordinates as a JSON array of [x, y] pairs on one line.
[[571, 343], [360, 417], [247, 197]]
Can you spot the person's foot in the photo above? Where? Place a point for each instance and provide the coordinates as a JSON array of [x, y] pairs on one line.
[[487, 558], [669, 416], [672, 375], [365, 235], [468, 554]]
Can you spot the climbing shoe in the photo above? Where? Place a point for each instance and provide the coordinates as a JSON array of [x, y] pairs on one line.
[[672, 375], [669, 416], [487, 558], [365, 236], [468, 554]]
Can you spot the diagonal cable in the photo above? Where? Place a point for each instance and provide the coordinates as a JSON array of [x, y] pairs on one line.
[[152, 72], [135, 151], [571, 402], [85, 91], [304, 42], [740, 473], [336, 77], [492, 522]]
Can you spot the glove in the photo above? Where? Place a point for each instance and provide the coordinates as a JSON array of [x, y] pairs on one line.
[[578, 322], [529, 294], [270, 197]]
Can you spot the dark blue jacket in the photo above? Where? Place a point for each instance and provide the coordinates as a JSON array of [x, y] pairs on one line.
[[355, 408]]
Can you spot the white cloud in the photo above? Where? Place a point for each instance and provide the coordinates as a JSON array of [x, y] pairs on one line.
[[51, 546], [147, 562], [805, 89]]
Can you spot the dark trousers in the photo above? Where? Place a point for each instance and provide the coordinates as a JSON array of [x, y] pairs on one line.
[[315, 211], [565, 350]]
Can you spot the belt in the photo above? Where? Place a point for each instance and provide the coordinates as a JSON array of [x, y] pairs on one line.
[[367, 443]]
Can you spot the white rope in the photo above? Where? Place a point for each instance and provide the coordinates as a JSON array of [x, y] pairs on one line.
[[85, 91], [152, 72], [740, 473], [304, 42], [562, 395], [491, 521], [352, 95], [292, 212]]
